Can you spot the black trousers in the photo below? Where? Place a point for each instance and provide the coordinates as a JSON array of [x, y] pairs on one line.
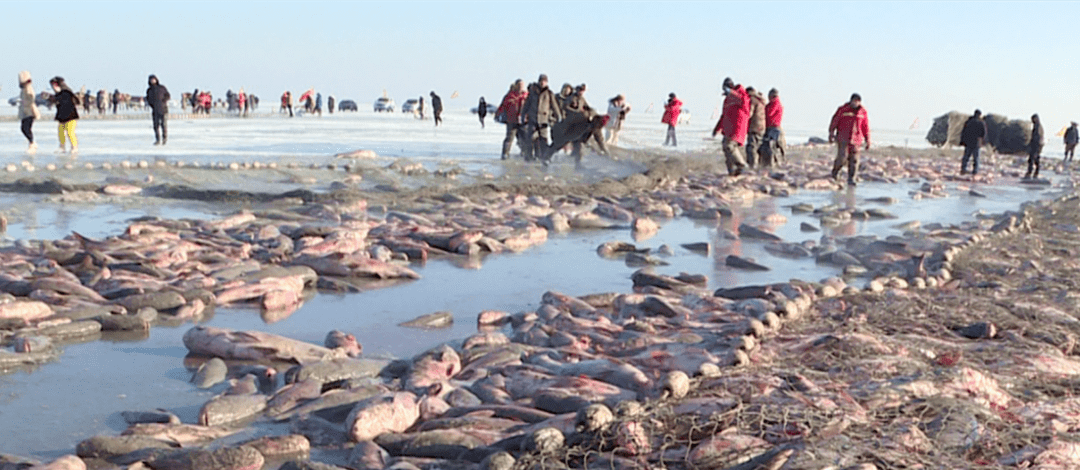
[[161, 132], [26, 124], [1033, 160]]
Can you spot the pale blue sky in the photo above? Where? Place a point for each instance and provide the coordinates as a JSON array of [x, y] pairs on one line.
[[908, 60]]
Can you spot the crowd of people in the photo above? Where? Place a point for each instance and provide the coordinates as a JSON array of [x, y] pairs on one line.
[[310, 100], [543, 122]]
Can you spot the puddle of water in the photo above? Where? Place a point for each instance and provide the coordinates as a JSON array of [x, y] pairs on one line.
[[48, 411], [35, 217]]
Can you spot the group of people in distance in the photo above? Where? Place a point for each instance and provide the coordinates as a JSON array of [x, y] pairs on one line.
[[750, 127], [67, 104], [543, 122], [973, 136]]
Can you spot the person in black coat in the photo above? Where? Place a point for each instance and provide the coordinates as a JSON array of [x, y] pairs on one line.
[[971, 137], [67, 113], [1035, 145], [436, 107], [157, 97], [481, 109], [1072, 137]]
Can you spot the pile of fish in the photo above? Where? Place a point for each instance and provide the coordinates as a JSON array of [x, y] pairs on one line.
[[576, 373], [622, 380]]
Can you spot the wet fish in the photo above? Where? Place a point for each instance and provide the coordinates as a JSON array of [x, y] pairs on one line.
[[227, 409], [251, 345], [394, 412], [210, 373], [744, 263], [333, 399], [157, 416], [334, 369], [28, 310], [346, 341], [179, 434], [431, 320]]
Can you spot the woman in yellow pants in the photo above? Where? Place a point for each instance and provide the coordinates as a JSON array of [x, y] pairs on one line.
[[67, 113]]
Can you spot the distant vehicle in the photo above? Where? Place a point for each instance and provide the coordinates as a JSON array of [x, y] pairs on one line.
[[347, 105], [490, 109], [384, 104], [411, 106], [40, 100]]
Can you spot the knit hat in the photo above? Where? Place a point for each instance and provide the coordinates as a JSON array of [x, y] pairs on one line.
[[24, 77]]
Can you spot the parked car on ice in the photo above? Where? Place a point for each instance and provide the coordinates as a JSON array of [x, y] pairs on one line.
[[347, 105], [384, 104], [411, 106]]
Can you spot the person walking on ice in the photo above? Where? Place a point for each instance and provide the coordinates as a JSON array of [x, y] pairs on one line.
[[157, 97], [28, 110], [67, 113], [971, 137], [849, 129], [1035, 145], [1072, 137], [672, 109]]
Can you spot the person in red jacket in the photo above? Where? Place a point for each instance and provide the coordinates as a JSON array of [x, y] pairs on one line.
[[509, 112], [773, 150], [672, 109], [734, 124], [849, 129]]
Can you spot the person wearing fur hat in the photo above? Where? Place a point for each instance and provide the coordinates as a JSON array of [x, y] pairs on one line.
[[157, 97], [67, 112], [28, 111]]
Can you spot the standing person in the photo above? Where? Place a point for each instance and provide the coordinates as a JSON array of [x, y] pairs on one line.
[[510, 112], [541, 111], [28, 110], [672, 109], [241, 102], [971, 137], [102, 101], [756, 127], [481, 109], [773, 151], [67, 113], [579, 123], [596, 122], [1072, 137], [115, 99], [157, 97], [330, 102], [195, 101], [616, 112], [86, 98], [206, 101], [318, 104], [436, 108], [1035, 145], [733, 125], [849, 128], [420, 108]]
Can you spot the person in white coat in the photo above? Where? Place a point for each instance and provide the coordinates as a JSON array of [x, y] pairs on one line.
[[28, 110], [616, 111]]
